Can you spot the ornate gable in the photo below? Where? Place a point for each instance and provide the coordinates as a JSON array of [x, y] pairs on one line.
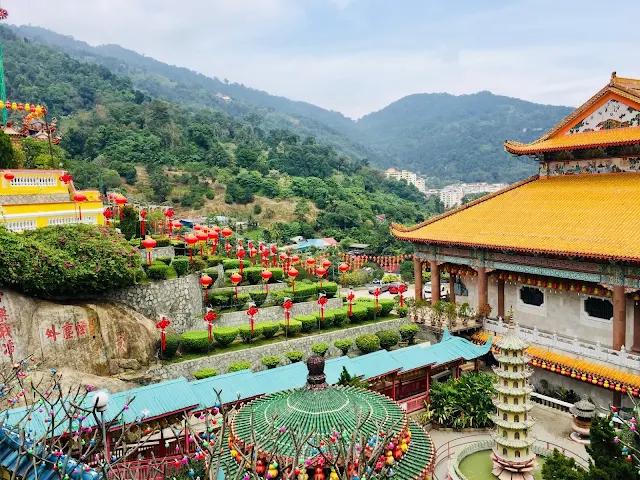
[[611, 114]]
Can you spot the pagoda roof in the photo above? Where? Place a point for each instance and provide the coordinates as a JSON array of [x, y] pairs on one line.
[[592, 216], [625, 91]]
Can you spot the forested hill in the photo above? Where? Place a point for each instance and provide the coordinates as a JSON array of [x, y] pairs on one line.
[[459, 137]]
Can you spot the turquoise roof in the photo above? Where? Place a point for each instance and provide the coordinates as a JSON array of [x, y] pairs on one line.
[[231, 386]]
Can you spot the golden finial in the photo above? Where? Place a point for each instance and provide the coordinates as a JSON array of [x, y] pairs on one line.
[[510, 315]]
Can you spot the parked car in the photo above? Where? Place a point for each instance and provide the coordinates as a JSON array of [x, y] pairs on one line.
[[394, 286], [426, 291], [378, 284]]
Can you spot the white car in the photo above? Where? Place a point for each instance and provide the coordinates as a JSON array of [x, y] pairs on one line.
[[426, 291]]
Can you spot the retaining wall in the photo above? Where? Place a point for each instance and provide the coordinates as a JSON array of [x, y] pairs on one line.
[[157, 253]]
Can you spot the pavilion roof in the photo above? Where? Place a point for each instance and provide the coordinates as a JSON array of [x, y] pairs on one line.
[[581, 216], [623, 91]]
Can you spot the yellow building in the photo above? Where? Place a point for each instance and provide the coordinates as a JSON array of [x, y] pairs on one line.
[[31, 199]]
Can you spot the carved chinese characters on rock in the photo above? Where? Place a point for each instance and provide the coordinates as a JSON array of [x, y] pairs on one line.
[[6, 341], [66, 331]]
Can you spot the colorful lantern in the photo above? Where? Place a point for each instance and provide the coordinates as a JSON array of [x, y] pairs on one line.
[[322, 301], [162, 325], [168, 215], [79, 198], [401, 289], [326, 264], [9, 176], [235, 278], [266, 276], [191, 240], [293, 273], [344, 268], [143, 214], [310, 262], [350, 297], [240, 254], [149, 243], [321, 272], [202, 237], [287, 305], [209, 317], [274, 255], [206, 281], [121, 202], [253, 310], [213, 236], [226, 233], [177, 225], [376, 295], [108, 213]]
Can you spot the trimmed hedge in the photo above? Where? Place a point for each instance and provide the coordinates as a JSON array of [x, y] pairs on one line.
[[309, 322], [271, 361], [328, 319], [180, 265], [340, 316], [269, 329], [388, 338], [230, 263], [408, 332], [197, 265], [165, 260], [295, 326], [343, 345], [295, 355], [246, 335], [196, 342], [158, 271], [320, 348], [359, 313], [173, 341], [213, 273], [237, 366], [215, 260], [385, 305], [402, 311], [258, 297], [368, 342], [251, 275], [205, 373], [330, 288], [225, 335]]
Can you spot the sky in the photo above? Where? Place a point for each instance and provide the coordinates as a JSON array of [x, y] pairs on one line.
[[357, 56]]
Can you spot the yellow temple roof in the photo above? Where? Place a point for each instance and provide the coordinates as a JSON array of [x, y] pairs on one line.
[[587, 216], [623, 90]]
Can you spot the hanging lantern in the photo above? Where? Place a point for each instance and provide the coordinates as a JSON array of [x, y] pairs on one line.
[[293, 273], [168, 214], [177, 226], [121, 201], [235, 278], [376, 295], [9, 176], [191, 240], [14, 106], [326, 264], [344, 268], [206, 281], [310, 262], [107, 213], [295, 259], [252, 312], [162, 325], [143, 214], [8, 105], [226, 233], [265, 257], [321, 272], [252, 254], [213, 236], [202, 237], [149, 243], [79, 198], [401, 289], [266, 276], [33, 109], [287, 305], [20, 107], [274, 255], [240, 254], [209, 317], [322, 301]]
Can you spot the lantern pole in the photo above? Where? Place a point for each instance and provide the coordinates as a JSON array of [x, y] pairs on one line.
[[3, 94]]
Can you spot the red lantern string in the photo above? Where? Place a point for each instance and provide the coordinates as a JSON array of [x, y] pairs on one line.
[[376, 295], [350, 298], [322, 301], [287, 305], [162, 324], [209, 317], [253, 310]]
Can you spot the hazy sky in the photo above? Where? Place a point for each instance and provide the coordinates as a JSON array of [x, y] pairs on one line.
[[357, 56]]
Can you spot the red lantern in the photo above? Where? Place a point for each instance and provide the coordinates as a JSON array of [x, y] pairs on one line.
[[260, 467], [108, 213], [226, 233], [326, 264], [266, 276], [213, 236], [252, 312], [235, 278], [240, 254], [295, 259], [79, 198], [202, 237], [287, 305], [209, 317], [293, 273], [8, 105], [274, 255], [322, 301], [376, 295], [205, 281], [310, 262], [149, 243], [321, 272], [401, 289], [350, 299], [3, 16], [121, 201], [191, 240], [177, 225], [143, 214], [344, 268], [168, 214], [9, 176], [162, 324]]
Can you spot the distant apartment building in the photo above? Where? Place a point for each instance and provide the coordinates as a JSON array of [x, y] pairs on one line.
[[451, 195], [410, 177]]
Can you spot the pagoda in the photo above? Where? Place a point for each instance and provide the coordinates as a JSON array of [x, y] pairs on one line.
[[321, 431], [513, 457]]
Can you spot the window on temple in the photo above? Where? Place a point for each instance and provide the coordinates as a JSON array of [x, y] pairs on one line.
[[516, 418], [517, 453], [504, 451], [516, 436], [504, 433], [515, 384], [505, 399], [531, 296], [515, 401], [504, 417], [599, 308], [506, 383]]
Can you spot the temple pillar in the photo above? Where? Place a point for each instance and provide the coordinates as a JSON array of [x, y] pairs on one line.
[[417, 273], [452, 289], [619, 316], [636, 326], [483, 296], [435, 281], [501, 298], [393, 387], [428, 382]]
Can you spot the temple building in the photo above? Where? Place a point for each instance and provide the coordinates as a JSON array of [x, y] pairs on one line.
[[31, 199], [559, 247]]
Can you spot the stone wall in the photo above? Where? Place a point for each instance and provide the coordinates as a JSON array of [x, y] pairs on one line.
[[221, 362], [252, 288], [157, 253], [273, 314], [179, 299]]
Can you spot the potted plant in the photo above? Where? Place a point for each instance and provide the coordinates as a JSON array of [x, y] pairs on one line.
[[437, 313], [484, 311], [451, 313], [465, 312]]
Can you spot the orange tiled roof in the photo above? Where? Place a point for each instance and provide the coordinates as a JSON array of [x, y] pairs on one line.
[[594, 216], [570, 363], [600, 138]]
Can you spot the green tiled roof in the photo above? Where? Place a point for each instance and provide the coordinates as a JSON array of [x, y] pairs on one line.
[[418, 457]]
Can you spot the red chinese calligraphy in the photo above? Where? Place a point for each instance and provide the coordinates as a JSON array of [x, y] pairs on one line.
[[67, 330], [5, 330], [8, 348], [51, 333], [121, 343], [81, 328]]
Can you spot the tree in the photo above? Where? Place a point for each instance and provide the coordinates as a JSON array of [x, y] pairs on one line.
[[348, 380], [246, 158], [111, 179], [407, 272], [607, 460], [557, 466], [7, 155], [129, 223]]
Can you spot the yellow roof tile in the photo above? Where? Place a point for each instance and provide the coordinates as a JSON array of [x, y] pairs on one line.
[[590, 216], [599, 138]]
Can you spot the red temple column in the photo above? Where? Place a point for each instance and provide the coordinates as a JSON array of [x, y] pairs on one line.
[[428, 382], [483, 296], [636, 326], [619, 316], [417, 273], [393, 387], [435, 281], [452, 290], [501, 298]]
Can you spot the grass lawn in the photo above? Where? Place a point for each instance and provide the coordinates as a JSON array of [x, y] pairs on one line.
[[279, 337]]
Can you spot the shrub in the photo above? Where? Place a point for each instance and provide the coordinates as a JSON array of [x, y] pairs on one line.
[[359, 313], [230, 264], [309, 322], [162, 242], [370, 307], [172, 344], [197, 265], [258, 297], [271, 361], [385, 305], [158, 271], [340, 316], [237, 366], [294, 328], [330, 288], [246, 335], [388, 338], [408, 332], [343, 345], [165, 260], [196, 342], [368, 342], [180, 265], [295, 356], [269, 329], [328, 319], [225, 336], [205, 373], [241, 301], [251, 275], [320, 348], [215, 260], [402, 311]]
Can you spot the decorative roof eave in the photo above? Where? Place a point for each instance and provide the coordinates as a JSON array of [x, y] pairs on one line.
[[601, 138]]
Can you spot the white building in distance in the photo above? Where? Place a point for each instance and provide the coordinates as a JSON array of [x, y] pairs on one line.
[[451, 195]]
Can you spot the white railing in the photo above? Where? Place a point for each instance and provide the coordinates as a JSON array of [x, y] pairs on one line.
[[568, 344], [20, 226], [29, 181], [551, 402], [87, 219]]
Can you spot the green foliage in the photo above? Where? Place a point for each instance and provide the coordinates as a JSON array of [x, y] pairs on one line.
[[407, 273], [246, 335], [557, 466], [463, 402], [343, 345], [295, 326], [269, 329], [230, 264], [238, 366], [357, 278], [340, 316], [388, 338], [320, 348], [67, 260], [197, 265], [328, 319], [348, 380], [295, 356], [215, 260], [129, 225], [607, 459], [402, 311], [258, 297], [271, 361], [251, 275], [359, 313], [8, 158], [180, 265], [330, 288], [158, 271], [196, 342], [367, 343], [165, 260], [308, 322], [205, 373], [225, 336], [408, 332], [385, 305], [172, 343]]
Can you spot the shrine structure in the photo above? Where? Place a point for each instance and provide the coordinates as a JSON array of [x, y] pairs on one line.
[[559, 247]]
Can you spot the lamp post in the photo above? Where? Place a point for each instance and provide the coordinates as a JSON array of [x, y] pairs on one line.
[[321, 272], [293, 273], [149, 243], [236, 278], [209, 317], [191, 239], [100, 405], [344, 268]]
